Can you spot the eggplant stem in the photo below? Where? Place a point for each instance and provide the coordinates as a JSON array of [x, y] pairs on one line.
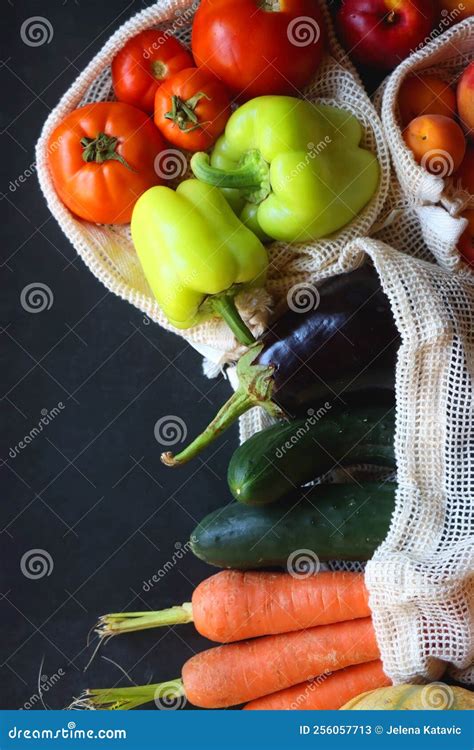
[[255, 389], [131, 622]]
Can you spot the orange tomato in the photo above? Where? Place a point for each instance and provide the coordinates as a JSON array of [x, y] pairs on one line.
[[101, 159], [427, 95], [437, 143], [192, 108]]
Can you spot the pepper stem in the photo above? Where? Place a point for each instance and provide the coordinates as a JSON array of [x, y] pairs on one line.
[[252, 176], [124, 699], [131, 622], [224, 305], [255, 389]]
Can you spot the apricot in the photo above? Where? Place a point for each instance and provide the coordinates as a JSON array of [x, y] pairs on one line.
[[465, 173], [466, 241], [437, 143], [427, 95], [457, 11], [465, 97]]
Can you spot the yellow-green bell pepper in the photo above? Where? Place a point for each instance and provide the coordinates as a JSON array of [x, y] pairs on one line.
[[292, 170], [196, 254]]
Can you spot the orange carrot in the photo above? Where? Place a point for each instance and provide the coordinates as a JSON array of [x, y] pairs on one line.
[[327, 692], [239, 672], [234, 605]]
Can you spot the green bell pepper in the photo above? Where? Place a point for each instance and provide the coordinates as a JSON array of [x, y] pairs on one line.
[[196, 254], [292, 170]]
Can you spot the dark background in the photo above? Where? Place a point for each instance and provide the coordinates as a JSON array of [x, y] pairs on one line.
[[90, 489]]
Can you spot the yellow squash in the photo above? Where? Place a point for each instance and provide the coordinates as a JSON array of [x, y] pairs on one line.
[[435, 696]]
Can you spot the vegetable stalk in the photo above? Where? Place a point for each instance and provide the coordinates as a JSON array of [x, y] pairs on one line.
[[255, 389]]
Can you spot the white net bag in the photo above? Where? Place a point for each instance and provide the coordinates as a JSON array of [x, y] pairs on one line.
[[108, 250], [421, 579], [422, 213]]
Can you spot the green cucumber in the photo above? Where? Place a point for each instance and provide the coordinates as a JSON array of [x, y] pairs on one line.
[[278, 460], [333, 521]]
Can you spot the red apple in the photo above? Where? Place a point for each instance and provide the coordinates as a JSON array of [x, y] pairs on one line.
[[466, 242], [382, 33], [465, 96], [465, 173]]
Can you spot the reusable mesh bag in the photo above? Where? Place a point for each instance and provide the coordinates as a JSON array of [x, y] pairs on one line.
[[420, 579], [108, 250], [421, 215]]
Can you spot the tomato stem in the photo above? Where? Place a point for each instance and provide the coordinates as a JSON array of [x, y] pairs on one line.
[[158, 69], [183, 114], [101, 149], [272, 6]]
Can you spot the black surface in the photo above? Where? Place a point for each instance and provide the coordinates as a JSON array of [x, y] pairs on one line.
[[90, 489]]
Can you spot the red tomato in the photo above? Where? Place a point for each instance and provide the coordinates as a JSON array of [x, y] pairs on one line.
[[192, 108], [144, 63], [257, 51], [101, 159]]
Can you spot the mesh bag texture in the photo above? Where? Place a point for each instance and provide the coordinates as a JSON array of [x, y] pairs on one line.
[[421, 578], [108, 250], [422, 213]]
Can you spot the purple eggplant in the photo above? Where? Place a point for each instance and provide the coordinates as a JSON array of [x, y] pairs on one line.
[[342, 351]]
